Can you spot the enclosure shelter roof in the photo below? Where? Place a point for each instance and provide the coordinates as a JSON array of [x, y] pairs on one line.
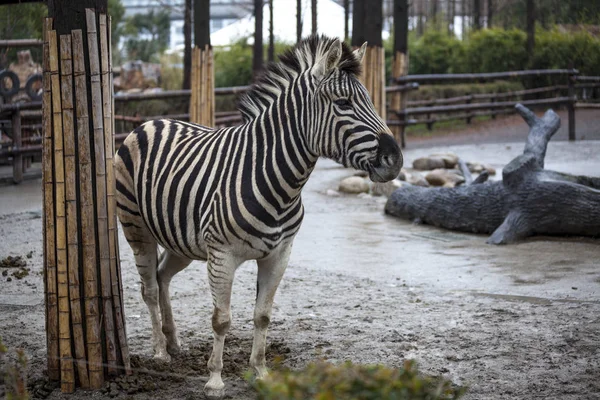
[[330, 22]]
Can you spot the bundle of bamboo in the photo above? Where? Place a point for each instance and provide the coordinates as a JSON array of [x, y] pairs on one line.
[[84, 299], [398, 99], [202, 101], [373, 77]]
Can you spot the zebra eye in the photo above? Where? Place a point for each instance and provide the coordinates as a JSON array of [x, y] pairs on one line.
[[343, 103]]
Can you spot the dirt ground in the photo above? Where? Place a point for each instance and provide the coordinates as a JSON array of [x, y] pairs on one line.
[[512, 322]]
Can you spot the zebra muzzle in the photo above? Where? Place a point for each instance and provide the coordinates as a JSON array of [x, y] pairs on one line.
[[388, 162]]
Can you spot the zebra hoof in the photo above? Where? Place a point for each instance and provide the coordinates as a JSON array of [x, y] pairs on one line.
[[214, 394], [173, 349], [162, 356]]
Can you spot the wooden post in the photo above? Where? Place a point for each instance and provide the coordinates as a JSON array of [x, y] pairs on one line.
[[81, 260], [400, 65], [66, 73], [469, 101], [50, 287], [67, 381], [202, 107], [17, 143], [571, 105], [90, 271]]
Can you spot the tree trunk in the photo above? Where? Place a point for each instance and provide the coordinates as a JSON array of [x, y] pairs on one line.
[[434, 12], [346, 20], [187, 44], [490, 12], [420, 22], [358, 23], [201, 23], [298, 20], [313, 11], [373, 11], [271, 53], [400, 26], [463, 25], [476, 15], [530, 28], [528, 201], [257, 58], [451, 5], [70, 14]]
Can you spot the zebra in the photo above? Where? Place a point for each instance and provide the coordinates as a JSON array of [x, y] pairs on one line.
[[230, 195]]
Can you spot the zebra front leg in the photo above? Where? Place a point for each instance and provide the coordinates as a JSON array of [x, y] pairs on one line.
[[221, 270], [270, 272], [170, 264]]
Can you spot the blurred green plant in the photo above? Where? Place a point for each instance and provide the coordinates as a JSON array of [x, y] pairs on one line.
[[21, 21], [326, 381], [171, 71], [147, 35], [14, 372]]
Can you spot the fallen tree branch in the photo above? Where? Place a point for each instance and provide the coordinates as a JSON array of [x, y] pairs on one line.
[[528, 201]]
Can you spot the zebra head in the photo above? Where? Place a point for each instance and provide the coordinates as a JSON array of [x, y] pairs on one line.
[[346, 126], [314, 92]]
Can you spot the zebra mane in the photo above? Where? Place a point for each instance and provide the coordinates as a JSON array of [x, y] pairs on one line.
[[275, 77]]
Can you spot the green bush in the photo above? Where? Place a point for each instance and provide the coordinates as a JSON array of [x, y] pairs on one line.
[[555, 49], [495, 50], [435, 52], [324, 381], [13, 368]]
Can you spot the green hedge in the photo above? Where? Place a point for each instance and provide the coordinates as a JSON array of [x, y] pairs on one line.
[[348, 381], [496, 50]]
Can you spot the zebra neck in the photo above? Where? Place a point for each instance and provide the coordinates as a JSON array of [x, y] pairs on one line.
[[284, 161]]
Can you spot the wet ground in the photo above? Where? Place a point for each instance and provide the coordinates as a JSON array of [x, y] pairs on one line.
[[511, 322]]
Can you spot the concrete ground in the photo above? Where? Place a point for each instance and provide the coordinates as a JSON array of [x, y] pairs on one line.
[[519, 321]]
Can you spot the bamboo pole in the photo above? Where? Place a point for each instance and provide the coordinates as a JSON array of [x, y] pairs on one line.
[[202, 111], [86, 201], [194, 80], [49, 223], [383, 109], [211, 89], [101, 202], [67, 376], [66, 74], [113, 234]]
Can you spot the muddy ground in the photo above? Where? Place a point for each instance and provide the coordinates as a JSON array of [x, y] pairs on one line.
[[512, 322]]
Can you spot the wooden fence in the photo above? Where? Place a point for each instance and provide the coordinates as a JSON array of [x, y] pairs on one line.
[[490, 104], [25, 144]]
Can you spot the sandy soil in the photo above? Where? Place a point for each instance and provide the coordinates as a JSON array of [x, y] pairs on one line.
[[518, 322]]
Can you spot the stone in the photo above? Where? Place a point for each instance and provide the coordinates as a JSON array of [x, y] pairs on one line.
[[354, 185], [442, 177], [450, 159], [475, 167], [428, 163], [386, 188], [416, 179], [402, 175], [332, 193], [491, 170], [362, 174]]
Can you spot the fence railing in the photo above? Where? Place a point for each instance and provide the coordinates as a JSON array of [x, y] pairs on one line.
[[24, 144], [488, 104]]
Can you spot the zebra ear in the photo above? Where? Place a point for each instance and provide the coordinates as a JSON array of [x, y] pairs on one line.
[[329, 61], [360, 52]]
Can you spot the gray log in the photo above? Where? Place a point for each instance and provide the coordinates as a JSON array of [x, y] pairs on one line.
[[528, 201]]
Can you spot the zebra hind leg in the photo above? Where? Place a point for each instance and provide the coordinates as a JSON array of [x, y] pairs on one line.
[[221, 270], [145, 249], [170, 264], [270, 272]]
